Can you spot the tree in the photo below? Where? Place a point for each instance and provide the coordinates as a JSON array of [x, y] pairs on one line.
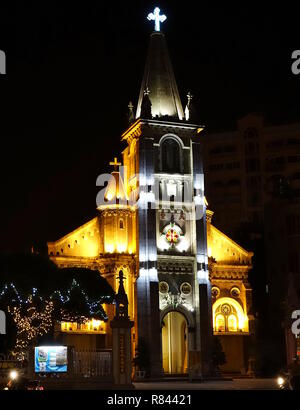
[[30, 322], [35, 293], [218, 355]]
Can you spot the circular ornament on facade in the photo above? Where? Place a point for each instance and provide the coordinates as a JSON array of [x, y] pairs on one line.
[[235, 292], [226, 309], [172, 235], [186, 288], [163, 287], [215, 291]]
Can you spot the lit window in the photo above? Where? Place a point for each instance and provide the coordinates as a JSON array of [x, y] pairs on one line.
[[220, 323], [229, 316], [92, 326], [232, 323]]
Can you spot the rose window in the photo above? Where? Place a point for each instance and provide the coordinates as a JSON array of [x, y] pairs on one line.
[[172, 235]]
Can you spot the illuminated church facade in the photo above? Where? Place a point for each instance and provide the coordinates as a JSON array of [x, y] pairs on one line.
[[185, 280]]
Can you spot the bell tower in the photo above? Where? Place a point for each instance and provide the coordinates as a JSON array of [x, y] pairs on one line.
[[164, 173]]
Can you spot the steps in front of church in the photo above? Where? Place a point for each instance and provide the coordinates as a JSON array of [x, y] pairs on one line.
[[185, 378], [237, 376], [77, 384]]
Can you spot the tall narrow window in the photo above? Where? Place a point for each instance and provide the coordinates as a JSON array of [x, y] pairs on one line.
[[220, 323], [232, 323], [170, 151], [121, 224]]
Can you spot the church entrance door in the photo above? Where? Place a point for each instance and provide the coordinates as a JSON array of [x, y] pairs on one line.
[[175, 343]]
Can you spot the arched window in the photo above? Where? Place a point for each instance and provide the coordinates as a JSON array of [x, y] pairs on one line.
[[121, 224], [170, 156], [229, 316], [250, 133], [232, 323], [220, 323]]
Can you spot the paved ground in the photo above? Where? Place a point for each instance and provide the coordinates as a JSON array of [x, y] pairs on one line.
[[235, 384]]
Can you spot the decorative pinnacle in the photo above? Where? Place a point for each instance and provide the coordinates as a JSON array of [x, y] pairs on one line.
[[189, 96], [121, 277]]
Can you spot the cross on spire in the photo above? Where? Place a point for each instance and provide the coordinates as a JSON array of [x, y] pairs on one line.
[[115, 164], [157, 17]]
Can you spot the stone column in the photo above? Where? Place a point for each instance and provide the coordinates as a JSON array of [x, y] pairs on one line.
[[204, 323], [122, 357], [121, 334], [148, 318]]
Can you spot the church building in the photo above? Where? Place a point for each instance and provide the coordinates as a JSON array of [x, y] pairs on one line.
[[185, 280]]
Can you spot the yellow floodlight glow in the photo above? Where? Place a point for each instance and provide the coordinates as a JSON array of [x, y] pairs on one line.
[[121, 247], [109, 248]]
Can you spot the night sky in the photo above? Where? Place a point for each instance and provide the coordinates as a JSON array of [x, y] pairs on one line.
[[72, 68]]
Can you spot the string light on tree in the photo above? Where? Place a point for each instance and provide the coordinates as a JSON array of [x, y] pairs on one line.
[[30, 324], [34, 315]]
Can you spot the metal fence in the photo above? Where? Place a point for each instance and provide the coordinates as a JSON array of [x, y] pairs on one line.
[[92, 363]]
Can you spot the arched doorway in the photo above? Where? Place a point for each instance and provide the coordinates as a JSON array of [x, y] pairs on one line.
[[175, 343]]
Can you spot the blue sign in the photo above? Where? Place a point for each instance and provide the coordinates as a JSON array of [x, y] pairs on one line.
[[51, 359]]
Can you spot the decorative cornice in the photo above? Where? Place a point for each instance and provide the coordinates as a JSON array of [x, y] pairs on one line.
[[229, 272], [128, 211], [135, 130], [179, 266], [105, 264]]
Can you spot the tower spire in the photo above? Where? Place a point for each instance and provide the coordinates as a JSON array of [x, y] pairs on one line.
[[159, 77]]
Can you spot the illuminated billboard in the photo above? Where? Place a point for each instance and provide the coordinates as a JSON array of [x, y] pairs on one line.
[[51, 359]]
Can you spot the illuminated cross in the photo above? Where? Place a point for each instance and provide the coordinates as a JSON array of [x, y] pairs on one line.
[[115, 164], [157, 18]]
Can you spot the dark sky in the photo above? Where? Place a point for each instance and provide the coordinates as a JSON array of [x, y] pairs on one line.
[[72, 68]]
